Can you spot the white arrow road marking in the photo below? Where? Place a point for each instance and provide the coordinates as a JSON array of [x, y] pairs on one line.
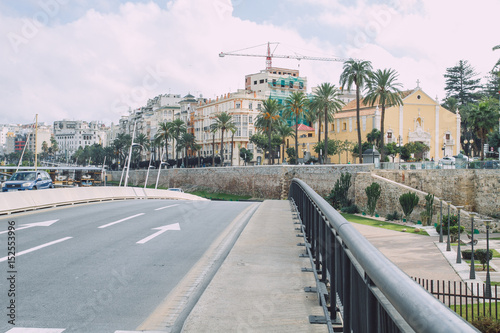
[[35, 330], [174, 226], [119, 221], [30, 225], [166, 207], [37, 247]]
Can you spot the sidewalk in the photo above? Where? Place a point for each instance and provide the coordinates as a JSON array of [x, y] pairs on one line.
[[260, 285]]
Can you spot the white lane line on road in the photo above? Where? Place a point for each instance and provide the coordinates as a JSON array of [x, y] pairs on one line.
[[166, 207], [37, 248], [31, 225], [35, 330], [119, 221], [174, 226]]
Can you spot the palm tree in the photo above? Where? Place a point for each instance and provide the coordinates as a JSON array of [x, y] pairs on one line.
[[143, 142], [312, 115], [284, 131], [326, 98], [233, 131], [178, 128], [295, 104], [356, 72], [187, 141], [383, 89], [223, 122], [268, 116], [165, 134]]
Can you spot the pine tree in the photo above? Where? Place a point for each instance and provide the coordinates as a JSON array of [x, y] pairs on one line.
[[461, 83]]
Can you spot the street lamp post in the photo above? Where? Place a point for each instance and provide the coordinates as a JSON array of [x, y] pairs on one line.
[[472, 274], [488, 281], [448, 245], [130, 153], [147, 173], [459, 254], [441, 223]]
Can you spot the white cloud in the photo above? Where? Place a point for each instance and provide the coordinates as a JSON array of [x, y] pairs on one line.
[[95, 67]]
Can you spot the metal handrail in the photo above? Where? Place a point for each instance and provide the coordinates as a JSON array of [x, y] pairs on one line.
[[371, 293]]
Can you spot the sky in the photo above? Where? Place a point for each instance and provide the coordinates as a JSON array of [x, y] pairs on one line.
[[94, 60]]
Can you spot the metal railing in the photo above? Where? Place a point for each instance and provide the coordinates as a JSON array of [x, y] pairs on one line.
[[468, 299], [365, 292]]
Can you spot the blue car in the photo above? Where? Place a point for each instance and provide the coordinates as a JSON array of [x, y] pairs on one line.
[[27, 180]]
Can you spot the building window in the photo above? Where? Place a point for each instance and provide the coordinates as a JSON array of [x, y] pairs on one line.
[[282, 83], [447, 136], [250, 106], [301, 85], [344, 126], [389, 135], [274, 82], [261, 81], [291, 84], [255, 82], [238, 105]]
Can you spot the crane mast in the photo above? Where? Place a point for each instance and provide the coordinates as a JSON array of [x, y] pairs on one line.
[[271, 55]]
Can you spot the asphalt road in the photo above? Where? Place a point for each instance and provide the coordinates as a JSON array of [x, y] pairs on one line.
[[104, 267]]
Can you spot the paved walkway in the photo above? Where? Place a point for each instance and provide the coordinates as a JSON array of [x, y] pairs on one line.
[[259, 287]]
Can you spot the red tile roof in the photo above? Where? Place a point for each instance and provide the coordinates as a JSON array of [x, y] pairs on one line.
[[303, 127]]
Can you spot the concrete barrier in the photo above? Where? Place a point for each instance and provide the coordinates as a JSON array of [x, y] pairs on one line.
[[13, 202]]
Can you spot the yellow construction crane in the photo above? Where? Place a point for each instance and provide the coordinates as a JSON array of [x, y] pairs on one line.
[[271, 55]]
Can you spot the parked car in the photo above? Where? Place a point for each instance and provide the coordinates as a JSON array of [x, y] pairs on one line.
[[175, 189], [27, 180], [447, 160]]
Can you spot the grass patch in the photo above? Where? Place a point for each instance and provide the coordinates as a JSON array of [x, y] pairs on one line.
[[382, 224], [479, 310], [220, 196]]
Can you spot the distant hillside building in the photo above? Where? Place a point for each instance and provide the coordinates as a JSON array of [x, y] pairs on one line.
[[72, 134]]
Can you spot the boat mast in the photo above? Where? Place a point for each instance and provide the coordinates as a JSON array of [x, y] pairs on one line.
[[36, 140]]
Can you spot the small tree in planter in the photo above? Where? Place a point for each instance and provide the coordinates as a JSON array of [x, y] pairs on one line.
[[429, 209], [408, 202], [372, 193]]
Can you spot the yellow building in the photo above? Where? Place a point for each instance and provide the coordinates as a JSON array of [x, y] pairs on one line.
[[419, 119]]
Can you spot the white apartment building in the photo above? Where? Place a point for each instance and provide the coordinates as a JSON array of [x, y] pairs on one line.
[[277, 83], [244, 107], [72, 134]]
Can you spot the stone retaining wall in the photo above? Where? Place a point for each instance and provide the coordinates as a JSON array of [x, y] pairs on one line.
[[270, 182], [477, 190]]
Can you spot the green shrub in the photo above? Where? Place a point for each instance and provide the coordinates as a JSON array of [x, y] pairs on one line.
[[338, 195], [483, 257], [453, 223], [393, 217], [352, 209], [408, 202], [467, 254], [479, 254], [372, 193], [486, 324]]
